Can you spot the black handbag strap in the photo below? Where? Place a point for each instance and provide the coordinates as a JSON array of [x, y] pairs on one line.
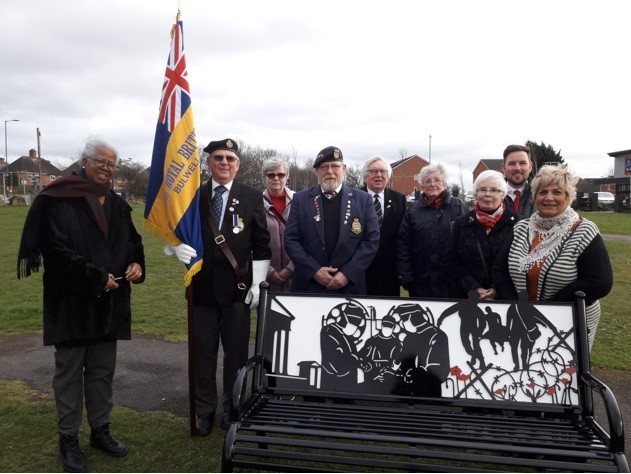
[[275, 211]]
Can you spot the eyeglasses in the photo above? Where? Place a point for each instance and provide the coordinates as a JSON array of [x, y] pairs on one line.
[[376, 172], [276, 175], [101, 163], [433, 180], [334, 167], [492, 191], [220, 158]]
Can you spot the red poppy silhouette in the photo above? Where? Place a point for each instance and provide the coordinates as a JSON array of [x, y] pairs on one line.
[[455, 370], [531, 385], [566, 381], [464, 377], [551, 390], [500, 391], [570, 370]]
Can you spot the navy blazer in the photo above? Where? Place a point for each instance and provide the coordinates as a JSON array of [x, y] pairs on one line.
[[356, 247]]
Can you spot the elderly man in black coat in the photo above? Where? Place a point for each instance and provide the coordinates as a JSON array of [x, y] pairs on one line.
[[91, 254]]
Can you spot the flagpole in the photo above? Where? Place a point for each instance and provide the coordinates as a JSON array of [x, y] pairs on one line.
[[191, 361]]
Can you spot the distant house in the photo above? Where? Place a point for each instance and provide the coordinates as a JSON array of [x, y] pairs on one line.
[[405, 174], [483, 165], [29, 171]]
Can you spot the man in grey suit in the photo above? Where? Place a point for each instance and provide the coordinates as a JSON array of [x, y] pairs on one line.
[[381, 277], [332, 233]]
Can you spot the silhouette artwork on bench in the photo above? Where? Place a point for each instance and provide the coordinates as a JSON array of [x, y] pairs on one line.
[[517, 351]]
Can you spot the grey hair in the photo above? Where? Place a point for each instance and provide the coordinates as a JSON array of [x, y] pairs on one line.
[[498, 181], [271, 163], [95, 143], [372, 160], [435, 168]]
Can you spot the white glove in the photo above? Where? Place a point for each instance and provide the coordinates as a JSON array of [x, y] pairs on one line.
[[183, 252], [259, 274]]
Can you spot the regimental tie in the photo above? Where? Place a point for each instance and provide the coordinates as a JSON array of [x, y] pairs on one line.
[[378, 210], [516, 199], [217, 203]]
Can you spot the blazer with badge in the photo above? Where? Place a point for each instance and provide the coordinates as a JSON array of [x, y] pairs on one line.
[[357, 243], [245, 229], [382, 278]]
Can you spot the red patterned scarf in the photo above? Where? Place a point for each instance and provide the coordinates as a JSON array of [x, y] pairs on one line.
[[489, 220]]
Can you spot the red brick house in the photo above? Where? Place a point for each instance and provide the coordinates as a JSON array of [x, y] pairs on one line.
[[483, 165], [25, 172], [405, 174]]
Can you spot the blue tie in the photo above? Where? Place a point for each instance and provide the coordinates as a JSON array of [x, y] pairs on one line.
[[217, 203], [378, 210]]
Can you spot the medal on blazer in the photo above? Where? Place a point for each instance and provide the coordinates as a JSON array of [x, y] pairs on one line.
[[237, 224], [356, 226]]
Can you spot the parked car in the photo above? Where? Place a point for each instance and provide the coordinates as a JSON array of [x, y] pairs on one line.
[[605, 198], [469, 199], [4, 200]]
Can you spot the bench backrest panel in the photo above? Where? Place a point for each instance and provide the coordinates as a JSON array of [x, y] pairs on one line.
[[402, 347]]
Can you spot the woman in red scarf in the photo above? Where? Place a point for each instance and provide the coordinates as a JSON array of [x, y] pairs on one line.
[[423, 235], [477, 237]]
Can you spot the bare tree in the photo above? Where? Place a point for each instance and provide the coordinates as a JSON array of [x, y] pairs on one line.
[[403, 153]]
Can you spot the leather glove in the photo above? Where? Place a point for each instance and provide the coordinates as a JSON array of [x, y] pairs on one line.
[[259, 274], [183, 252]]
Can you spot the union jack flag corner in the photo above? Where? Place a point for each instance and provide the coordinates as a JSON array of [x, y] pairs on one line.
[[172, 205]]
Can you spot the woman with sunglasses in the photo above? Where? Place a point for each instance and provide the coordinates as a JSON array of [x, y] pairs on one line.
[[277, 201]]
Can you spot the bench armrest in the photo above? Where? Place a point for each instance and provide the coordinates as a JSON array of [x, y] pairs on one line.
[[616, 427], [240, 383]]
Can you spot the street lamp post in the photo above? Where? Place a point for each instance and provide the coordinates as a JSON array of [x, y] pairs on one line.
[[6, 153]]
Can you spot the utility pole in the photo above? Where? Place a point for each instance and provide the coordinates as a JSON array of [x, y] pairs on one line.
[[430, 149], [39, 158]]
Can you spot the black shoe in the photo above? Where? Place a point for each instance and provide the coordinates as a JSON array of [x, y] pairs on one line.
[[225, 421], [100, 438], [72, 458], [205, 424]]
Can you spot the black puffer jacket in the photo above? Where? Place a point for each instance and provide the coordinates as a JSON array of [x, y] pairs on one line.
[[465, 269], [421, 246]]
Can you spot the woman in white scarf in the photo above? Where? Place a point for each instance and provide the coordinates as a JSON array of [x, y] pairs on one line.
[[555, 252]]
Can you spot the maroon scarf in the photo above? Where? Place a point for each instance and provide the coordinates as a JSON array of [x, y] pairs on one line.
[[29, 255]]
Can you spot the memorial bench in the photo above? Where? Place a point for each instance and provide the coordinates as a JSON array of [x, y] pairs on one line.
[[398, 384]]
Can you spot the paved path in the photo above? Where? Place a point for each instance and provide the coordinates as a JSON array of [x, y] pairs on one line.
[[153, 375], [624, 238]]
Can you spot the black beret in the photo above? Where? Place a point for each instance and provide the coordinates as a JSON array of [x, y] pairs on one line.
[[330, 153], [225, 144]]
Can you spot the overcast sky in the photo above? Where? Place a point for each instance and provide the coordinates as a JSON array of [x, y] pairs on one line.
[[296, 76]]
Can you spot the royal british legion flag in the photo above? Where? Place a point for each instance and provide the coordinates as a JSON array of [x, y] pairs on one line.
[[172, 208]]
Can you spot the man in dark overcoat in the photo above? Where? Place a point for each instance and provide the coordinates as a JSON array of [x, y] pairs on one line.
[[91, 253], [332, 233], [381, 277]]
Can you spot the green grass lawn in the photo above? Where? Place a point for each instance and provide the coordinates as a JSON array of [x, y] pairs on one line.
[[160, 441]]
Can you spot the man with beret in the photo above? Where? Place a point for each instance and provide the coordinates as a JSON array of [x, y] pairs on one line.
[[332, 233], [236, 259]]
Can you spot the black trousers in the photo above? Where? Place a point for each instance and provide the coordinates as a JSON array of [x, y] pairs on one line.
[[231, 325]]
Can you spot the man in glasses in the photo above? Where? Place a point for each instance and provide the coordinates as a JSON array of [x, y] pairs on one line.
[[332, 233], [92, 254], [381, 277], [236, 259], [517, 167]]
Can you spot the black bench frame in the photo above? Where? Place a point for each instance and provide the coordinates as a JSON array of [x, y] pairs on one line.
[[279, 427]]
